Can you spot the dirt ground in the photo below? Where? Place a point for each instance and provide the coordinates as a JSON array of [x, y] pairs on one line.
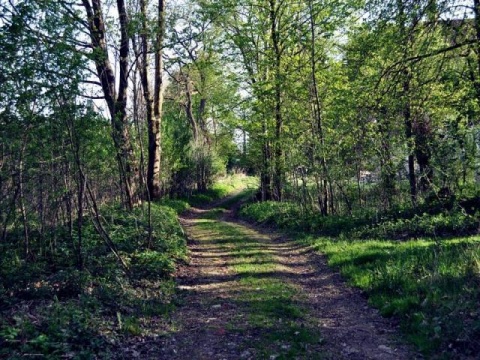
[[211, 322]]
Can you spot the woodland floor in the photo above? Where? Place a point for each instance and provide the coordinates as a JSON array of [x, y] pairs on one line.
[[248, 293]]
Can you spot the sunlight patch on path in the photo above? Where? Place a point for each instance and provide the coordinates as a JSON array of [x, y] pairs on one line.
[[242, 270]]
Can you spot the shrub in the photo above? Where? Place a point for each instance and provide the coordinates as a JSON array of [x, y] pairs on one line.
[[151, 265]]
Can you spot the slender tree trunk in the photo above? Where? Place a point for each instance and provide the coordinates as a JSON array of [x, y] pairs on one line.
[[155, 134], [279, 171], [423, 134], [121, 126], [153, 102], [407, 118], [317, 115], [189, 110], [136, 118], [67, 199], [265, 177], [476, 80], [201, 111], [80, 197], [201, 137], [21, 192], [147, 95], [116, 102], [407, 112]]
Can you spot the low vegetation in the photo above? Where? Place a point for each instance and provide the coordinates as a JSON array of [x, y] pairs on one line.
[[410, 266], [51, 306], [366, 117], [223, 187]]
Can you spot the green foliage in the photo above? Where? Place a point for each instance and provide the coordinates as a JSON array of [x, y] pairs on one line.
[[401, 224], [431, 285], [73, 308], [130, 230], [223, 187], [151, 265], [314, 117], [438, 225], [56, 329], [292, 216], [273, 213], [84, 312], [178, 205]]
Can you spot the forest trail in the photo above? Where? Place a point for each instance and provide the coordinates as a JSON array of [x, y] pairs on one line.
[[249, 294]]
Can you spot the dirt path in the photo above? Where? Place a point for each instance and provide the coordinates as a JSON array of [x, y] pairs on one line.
[[247, 294]]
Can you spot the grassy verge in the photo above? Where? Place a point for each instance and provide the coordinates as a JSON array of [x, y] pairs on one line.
[[431, 284], [271, 303]]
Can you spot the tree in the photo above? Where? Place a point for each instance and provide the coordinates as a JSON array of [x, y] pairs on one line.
[[153, 102], [116, 99], [202, 86]]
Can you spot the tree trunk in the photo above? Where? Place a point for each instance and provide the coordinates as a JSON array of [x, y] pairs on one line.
[[278, 173], [189, 109], [265, 174], [407, 113], [153, 102], [117, 103], [155, 134], [423, 134], [21, 192], [317, 125], [407, 118], [476, 80]]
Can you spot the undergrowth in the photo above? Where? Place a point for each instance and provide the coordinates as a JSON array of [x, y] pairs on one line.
[[417, 268], [51, 307]]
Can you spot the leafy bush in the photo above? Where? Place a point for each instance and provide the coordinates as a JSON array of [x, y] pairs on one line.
[[151, 265], [392, 226], [292, 216], [178, 205], [439, 225], [56, 329]]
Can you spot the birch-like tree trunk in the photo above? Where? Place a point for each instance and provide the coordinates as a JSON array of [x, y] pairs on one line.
[[153, 101]]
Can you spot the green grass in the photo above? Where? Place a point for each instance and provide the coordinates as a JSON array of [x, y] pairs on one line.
[[271, 303], [431, 285], [222, 188]]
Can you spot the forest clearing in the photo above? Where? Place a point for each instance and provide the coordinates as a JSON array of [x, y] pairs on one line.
[[248, 179]]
